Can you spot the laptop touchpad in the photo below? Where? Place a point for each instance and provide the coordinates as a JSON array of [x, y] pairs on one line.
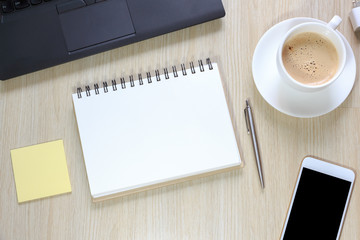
[[97, 23]]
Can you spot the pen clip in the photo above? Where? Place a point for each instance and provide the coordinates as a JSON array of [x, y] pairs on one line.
[[246, 120]]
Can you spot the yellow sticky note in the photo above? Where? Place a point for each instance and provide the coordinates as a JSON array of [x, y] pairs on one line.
[[40, 171]]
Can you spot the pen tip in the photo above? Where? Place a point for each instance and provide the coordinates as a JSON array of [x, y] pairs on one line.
[[247, 102]]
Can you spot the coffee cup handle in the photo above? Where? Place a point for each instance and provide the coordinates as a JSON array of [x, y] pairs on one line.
[[334, 22]]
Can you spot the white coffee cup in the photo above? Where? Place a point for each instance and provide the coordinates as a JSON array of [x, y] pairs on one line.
[[326, 30]]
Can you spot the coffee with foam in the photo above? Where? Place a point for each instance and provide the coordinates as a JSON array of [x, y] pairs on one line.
[[310, 58]]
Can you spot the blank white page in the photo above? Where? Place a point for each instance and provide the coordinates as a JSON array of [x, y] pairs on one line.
[[155, 132]]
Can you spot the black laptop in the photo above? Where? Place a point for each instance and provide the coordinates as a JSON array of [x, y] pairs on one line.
[[36, 34]]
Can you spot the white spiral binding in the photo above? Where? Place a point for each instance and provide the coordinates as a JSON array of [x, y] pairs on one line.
[[140, 79]]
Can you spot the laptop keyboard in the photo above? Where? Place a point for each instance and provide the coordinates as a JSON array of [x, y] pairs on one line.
[[9, 6]]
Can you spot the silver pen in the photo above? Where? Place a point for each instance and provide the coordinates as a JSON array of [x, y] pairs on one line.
[[251, 129]]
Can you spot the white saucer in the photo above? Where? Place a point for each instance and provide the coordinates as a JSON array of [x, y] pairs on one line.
[[281, 95]]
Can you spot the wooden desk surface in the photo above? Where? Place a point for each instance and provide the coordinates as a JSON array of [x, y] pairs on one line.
[[38, 108]]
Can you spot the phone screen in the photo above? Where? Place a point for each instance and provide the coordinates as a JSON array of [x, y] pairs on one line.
[[318, 206]]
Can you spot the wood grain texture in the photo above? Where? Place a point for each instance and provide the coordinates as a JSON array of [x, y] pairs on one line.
[[37, 108]]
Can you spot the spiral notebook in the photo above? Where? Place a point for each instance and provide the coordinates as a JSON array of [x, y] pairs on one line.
[[155, 131]]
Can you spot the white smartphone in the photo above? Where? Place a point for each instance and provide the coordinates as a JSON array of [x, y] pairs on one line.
[[319, 202]]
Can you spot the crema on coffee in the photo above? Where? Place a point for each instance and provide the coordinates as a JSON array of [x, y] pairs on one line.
[[310, 58]]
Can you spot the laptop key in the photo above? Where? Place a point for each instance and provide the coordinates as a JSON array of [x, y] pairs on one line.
[[70, 5], [35, 2], [20, 4], [7, 6], [89, 2]]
